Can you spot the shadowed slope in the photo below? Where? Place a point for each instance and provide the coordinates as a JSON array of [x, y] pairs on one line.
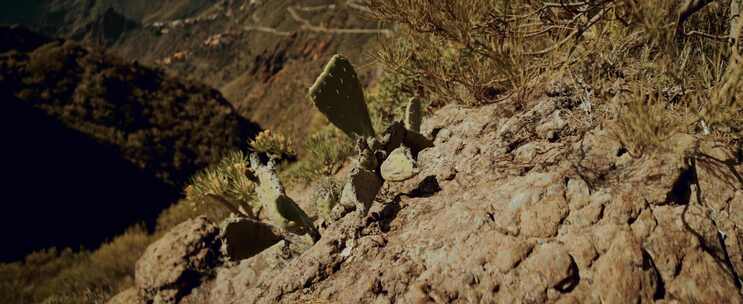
[[62, 188]]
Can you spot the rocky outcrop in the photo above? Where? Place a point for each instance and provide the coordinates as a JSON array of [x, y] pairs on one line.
[[502, 211], [177, 263], [562, 226]]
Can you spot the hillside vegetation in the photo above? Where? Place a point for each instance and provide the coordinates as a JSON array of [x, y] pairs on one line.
[[656, 68], [167, 127]]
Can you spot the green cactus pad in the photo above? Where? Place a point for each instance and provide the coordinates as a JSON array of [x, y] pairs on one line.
[[337, 93], [413, 117]]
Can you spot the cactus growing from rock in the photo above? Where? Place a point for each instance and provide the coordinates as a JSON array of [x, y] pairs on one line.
[[413, 116], [337, 93], [326, 196], [281, 209]]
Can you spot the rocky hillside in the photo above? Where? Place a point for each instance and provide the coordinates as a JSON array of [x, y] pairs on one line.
[[259, 54], [521, 209], [586, 152]]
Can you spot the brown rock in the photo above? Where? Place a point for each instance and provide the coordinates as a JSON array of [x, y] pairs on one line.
[[129, 296], [232, 281], [670, 241], [577, 193], [553, 266], [622, 274], [600, 150], [542, 219], [644, 225], [581, 249], [243, 238], [495, 232], [512, 253], [702, 280], [174, 265]]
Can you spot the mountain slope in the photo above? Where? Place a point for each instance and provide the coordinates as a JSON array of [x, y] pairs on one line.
[[110, 143], [260, 54], [66, 189], [168, 127]]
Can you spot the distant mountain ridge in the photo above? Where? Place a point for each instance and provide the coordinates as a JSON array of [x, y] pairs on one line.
[[262, 55]]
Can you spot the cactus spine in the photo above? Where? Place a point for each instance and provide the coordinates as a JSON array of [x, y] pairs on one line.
[[337, 93], [413, 117]]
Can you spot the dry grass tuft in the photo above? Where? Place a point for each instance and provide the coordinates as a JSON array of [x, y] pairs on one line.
[[669, 66]]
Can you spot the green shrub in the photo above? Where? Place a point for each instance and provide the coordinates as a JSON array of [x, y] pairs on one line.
[[387, 99], [326, 195], [325, 152]]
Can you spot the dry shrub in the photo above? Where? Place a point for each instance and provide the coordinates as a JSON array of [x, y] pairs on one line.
[[66, 276], [666, 65], [275, 144], [457, 50], [646, 123], [227, 185]]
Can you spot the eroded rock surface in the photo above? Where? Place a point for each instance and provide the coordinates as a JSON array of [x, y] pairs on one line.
[[174, 265], [523, 209]]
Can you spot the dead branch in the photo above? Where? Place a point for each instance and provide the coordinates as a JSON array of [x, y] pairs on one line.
[[689, 8]]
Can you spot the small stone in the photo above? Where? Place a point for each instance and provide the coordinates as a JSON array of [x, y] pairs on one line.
[[511, 253], [578, 194], [399, 166], [553, 265]]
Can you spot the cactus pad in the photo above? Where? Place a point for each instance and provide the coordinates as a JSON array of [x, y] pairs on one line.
[[337, 93], [413, 116]]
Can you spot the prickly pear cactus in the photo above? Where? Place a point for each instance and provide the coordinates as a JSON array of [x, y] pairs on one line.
[[280, 208], [413, 117], [337, 93]]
